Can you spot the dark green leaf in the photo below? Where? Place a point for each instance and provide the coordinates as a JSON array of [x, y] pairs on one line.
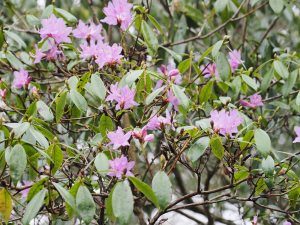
[[85, 204], [217, 147], [223, 66]]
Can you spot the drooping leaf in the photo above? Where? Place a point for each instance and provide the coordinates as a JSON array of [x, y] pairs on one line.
[[262, 141], [34, 207], [223, 66], [78, 100], [97, 87], [181, 96], [281, 69], [65, 195], [60, 102], [198, 148], [145, 189], [17, 162], [162, 188], [217, 147], [101, 163], [5, 205], [150, 38], [122, 202], [276, 5], [44, 111], [85, 204]]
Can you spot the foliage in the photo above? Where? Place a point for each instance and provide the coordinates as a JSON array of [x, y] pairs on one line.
[[129, 113]]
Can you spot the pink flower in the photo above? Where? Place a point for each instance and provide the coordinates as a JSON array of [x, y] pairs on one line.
[[255, 101], [123, 96], [159, 122], [21, 79], [225, 122], [255, 220], [297, 139], [234, 59], [119, 138], [171, 72], [34, 90], [54, 53], [209, 70], [3, 93], [120, 166], [287, 223], [172, 99], [55, 28], [89, 50], [142, 136], [109, 55], [88, 32], [118, 12], [38, 55]]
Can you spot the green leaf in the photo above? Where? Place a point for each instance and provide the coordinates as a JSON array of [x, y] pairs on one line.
[[101, 164], [39, 137], [281, 69], [184, 65], [250, 82], [175, 55], [216, 48], [150, 38], [267, 80], [85, 204], [65, 14], [47, 12], [34, 207], [162, 188], [105, 124], [262, 141], [16, 38], [145, 189], [268, 165], [223, 66], [60, 103], [122, 202], [206, 92], [5, 205], [289, 83], [56, 154], [32, 20], [153, 95], [155, 23], [17, 162], [217, 147], [220, 5], [1, 35], [130, 78], [276, 5], [198, 148], [69, 199], [260, 186], [21, 129], [14, 62], [78, 100], [97, 87], [246, 140], [44, 111], [298, 99], [181, 96], [36, 188]]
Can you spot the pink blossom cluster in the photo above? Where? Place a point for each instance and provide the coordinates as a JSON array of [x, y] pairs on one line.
[[120, 166], [226, 122], [55, 31], [255, 101], [234, 58], [172, 75], [22, 79], [124, 96]]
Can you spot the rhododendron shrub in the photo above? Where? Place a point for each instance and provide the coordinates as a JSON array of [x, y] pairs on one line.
[[149, 112]]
